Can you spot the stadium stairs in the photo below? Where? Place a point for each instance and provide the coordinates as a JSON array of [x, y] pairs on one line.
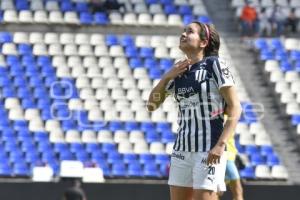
[[258, 89]]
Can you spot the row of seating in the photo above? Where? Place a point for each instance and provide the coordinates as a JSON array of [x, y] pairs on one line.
[[283, 72], [266, 3], [74, 94]]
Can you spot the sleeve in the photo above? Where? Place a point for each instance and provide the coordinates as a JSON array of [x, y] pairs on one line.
[[170, 87], [222, 74]]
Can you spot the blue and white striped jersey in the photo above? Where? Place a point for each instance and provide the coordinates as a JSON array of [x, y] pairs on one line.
[[201, 106]]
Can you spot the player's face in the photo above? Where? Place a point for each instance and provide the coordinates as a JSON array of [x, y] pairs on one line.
[[190, 38]]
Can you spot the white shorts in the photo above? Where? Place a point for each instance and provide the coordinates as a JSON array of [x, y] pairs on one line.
[[189, 169]]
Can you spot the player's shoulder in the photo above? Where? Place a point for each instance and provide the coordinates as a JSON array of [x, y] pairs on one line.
[[210, 60]]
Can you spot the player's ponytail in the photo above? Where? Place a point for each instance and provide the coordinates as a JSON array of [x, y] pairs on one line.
[[209, 33]]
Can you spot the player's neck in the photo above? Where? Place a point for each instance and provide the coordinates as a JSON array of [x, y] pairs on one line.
[[195, 57]]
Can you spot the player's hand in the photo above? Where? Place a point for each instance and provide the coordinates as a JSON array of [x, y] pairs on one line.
[[178, 69], [214, 155]]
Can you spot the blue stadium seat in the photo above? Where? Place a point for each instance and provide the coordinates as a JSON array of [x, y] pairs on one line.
[[43, 60], [170, 9], [150, 63], [24, 134], [82, 156], [5, 81], [108, 147], [155, 73], [147, 126], [146, 52], [261, 44], [187, 19], [66, 6], [75, 147], [185, 10], [28, 146], [164, 169], [152, 136], [27, 59], [101, 18], [116, 125], [266, 55], [66, 155], [114, 157], [45, 148], [1, 15], [6, 37], [24, 93], [295, 120], [127, 41], [166, 2], [39, 92], [92, 147], [5, 170], [10, 59], [135, 62], [146, 158], [295, 55], [131, 125], [130, 158], [272, 159], [204, 19], [32, 158], [135, 170], [41, 136], [286, 66], [111, 39], [266, 150], [165, 64], [251, 149], [119, 170], [276, 44], [15, 157], [86, 18], [24, 49], [8, 92], [82, 7], [60, 147], [151, 2], [151, 170], [163, 126], [8, 133], [167, 136], [257, 159], [68, 125], [21, 5], [281, 55], [248, 173], [131, 51], [36, 82], [162, 159], [98, 157], [11, 146]]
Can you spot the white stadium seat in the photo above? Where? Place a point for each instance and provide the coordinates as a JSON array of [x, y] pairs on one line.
[[25, 16], [10, 16]]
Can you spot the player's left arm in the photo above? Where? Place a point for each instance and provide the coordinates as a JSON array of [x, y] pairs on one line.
[[233, 111]]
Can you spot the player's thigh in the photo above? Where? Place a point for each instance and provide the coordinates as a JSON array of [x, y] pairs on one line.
[[181, 193], [200, 194]]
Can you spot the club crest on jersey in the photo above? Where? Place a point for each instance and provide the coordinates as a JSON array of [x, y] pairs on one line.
[[200, 75]]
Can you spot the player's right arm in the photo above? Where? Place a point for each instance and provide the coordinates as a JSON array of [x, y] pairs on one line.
[[159, 92]]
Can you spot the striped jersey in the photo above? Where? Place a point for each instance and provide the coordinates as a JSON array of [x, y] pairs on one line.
[[200, 104]]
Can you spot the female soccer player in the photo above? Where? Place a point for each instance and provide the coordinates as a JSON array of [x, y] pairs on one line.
[[202, 86]]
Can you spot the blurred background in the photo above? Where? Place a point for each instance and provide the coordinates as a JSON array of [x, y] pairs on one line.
[[75, 76]]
